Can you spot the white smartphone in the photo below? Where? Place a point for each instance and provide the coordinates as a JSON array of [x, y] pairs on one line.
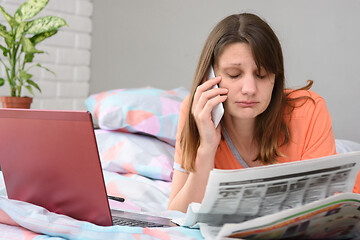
[[218, 111]]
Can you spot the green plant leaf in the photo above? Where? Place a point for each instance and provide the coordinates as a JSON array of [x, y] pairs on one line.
[[9, 18], [6, 35], [42, 36], [23, 75], [32, 83], [29, 9], [46, 24], [9, 41], [28, 46], [2, 81], [29, 88], [29, 57], [3, 31], [39, 65], [5, 50], [22, 29]]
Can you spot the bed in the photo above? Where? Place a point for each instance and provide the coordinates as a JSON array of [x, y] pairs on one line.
[[135, 133]]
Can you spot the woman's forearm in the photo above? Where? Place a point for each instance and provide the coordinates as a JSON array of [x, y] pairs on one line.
[[193, 189]]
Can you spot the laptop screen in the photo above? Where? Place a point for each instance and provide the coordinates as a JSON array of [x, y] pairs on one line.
[[43, 154]]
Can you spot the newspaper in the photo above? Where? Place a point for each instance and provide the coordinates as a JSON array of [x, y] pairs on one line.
[[235, 196], [335, 217]]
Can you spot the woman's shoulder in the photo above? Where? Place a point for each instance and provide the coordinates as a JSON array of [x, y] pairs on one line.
[[186, 100], [300, 93], [302, 103], [183, 110], [185, 104]]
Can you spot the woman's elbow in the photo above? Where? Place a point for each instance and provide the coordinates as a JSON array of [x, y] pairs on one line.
[[174, 207]]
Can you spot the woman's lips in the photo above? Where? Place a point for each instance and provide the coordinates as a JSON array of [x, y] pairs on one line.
[[247, 104]]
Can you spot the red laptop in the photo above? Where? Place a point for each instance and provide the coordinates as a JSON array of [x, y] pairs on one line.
[[42, 154]]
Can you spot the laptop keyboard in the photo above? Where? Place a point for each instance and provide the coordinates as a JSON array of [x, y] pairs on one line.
[[133, 223]]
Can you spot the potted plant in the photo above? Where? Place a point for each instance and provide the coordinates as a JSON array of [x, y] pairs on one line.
[[18, 48]]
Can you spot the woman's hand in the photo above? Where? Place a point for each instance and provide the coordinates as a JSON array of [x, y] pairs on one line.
[[190, 187], [205, 99]]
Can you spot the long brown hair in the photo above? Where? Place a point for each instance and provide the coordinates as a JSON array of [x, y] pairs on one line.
[[270, 126]]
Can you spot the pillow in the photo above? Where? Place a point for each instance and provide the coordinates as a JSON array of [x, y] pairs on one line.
[[133, 153], [146, 110], [344, 146]]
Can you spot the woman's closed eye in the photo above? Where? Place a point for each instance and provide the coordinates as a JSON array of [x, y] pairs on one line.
[[261, 76], [238, 75], [234, 76]]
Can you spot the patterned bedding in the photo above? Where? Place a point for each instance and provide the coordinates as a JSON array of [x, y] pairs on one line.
[[19, 220]]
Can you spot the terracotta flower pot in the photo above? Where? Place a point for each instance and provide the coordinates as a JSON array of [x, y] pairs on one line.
[[16, 102]]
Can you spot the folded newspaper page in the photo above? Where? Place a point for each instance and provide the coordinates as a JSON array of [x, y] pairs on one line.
[[235, 196], [336, 217]]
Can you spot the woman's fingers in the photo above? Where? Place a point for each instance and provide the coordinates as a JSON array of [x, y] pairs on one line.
[[204, 112], [205, 86], [206, 97], [211, 96], [206, 91]]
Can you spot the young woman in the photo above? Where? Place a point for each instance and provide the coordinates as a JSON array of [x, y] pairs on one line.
[[263, 123]]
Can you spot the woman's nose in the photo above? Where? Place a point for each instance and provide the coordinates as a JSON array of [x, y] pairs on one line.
[[249, 85]]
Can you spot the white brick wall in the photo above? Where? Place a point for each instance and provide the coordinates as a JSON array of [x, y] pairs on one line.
[[67, 55]]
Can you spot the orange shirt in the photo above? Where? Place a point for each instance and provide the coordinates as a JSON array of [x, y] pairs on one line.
[[310, 130]]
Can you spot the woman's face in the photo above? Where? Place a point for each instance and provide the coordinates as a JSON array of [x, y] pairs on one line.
[[249, 90]]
